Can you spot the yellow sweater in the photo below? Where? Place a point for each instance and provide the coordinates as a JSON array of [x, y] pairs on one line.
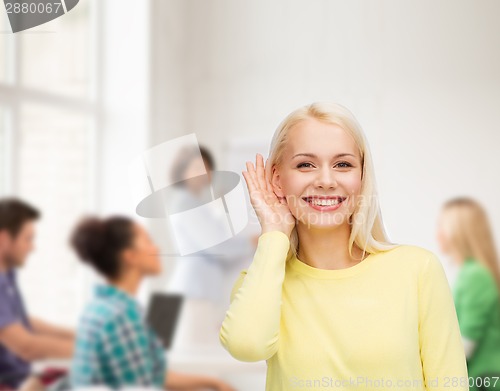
[[387, 322]]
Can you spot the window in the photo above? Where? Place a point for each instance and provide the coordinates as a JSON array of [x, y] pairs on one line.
[[3, 154], [58, 61], [48, 122], [5, 38]]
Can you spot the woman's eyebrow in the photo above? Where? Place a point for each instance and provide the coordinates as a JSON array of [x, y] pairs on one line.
[[312, 155]]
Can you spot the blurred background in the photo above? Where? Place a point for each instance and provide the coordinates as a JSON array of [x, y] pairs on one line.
[[83, 95]]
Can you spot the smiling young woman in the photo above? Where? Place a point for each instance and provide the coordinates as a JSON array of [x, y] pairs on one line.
[[328, 301]]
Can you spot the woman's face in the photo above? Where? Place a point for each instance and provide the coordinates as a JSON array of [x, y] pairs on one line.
[[320, 174], [197, 175], [143, 254]]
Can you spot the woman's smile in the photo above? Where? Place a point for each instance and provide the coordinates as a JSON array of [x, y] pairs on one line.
[[324, 203]]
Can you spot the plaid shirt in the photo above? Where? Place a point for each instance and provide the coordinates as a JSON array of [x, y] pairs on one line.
[[114, 346]]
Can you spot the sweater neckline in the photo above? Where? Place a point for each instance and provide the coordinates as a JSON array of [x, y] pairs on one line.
[[303, 268]]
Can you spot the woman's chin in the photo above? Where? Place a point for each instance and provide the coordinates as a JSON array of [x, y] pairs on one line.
[[325, 222]]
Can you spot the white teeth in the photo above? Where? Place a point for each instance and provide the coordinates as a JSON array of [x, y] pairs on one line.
[[325, 202]]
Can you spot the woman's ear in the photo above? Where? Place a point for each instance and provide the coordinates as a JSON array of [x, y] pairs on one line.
[[276, 182]]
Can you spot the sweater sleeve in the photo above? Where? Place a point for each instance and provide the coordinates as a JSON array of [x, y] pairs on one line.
[[441, 349], [476, 303], [250, 330]]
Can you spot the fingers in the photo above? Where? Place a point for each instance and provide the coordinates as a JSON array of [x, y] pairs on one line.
[[258, 180], [253, 185], [253, 175], [249, 179], [250, 167], [260, 172]]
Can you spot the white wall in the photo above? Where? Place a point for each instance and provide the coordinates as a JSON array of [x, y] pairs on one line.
[[422, 78], [123, 71]]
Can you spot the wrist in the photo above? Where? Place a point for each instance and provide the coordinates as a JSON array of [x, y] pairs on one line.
[[283, 230]]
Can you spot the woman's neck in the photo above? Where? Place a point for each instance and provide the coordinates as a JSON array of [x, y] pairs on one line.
[[456, 258], [128, 282], [327, 248]]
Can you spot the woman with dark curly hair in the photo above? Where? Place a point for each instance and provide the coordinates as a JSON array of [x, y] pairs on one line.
[[114, 346]]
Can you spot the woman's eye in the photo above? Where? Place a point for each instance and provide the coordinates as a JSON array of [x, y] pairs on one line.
[[304, 165], [344, 165]]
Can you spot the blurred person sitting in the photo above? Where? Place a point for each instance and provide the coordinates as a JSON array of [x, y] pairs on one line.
[[23, 339], [114, 345], [464, 234]]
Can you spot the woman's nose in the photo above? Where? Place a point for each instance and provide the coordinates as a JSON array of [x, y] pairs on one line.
[[326, 178]]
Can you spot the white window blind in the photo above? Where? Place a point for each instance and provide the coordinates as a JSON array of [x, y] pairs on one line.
[[54, 159], [48, 94]]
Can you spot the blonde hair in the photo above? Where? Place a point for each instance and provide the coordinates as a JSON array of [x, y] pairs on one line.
[[466, 226], [367, 230]]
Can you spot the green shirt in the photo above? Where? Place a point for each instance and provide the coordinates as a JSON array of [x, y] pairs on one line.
[[477, 303]]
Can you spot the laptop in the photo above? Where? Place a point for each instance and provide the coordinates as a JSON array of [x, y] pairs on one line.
[[163, 316]]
